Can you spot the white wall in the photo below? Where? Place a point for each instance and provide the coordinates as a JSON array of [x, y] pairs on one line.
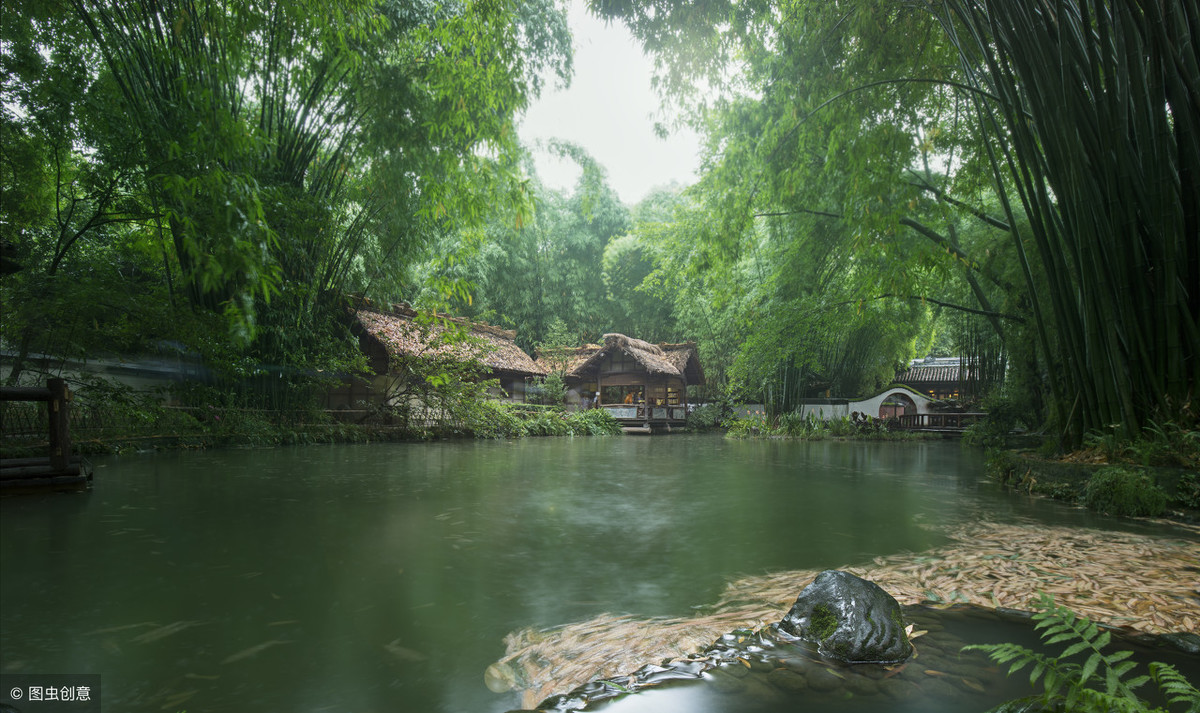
[[871, 406], [825, 412]]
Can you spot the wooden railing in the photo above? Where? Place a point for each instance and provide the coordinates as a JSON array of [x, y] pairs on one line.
[[939, 421], [58, 468], [642, 412]]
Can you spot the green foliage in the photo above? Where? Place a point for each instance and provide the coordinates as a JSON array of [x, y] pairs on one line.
[[218, 176], [798, 426], [1101, 684], [637, 310], [554, 422], [748, 427], [1189, 490], [489, 418], [1006, 411], [1124, 492], [554, 389], [540, 274], [1167, 444], [930, 153], [704, 417], [593, 422], [547, 423]]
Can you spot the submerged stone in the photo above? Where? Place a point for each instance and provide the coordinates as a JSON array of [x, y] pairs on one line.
[[849, 619]]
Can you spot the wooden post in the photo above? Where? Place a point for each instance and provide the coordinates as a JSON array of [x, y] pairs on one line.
[[59, 409]]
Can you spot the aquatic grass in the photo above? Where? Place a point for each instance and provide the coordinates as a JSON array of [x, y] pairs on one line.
[[745, 427]]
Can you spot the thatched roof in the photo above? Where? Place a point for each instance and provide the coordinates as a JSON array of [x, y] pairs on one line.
[[681, 360], [397, 332]]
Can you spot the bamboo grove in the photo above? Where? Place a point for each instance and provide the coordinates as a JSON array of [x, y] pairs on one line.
[[1016, 182], [1095, 136], [1032, 166], [238, 168]]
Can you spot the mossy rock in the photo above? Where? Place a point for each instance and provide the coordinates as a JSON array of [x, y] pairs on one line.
[[849, 619]]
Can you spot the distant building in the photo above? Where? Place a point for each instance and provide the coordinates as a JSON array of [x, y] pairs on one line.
[[396, 332], [639, 383], [941, 378]]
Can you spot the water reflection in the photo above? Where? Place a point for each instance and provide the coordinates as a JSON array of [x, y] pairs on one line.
[[384, 576]]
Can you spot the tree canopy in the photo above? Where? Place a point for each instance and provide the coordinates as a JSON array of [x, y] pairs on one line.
[[1030, 165], [262, 161], [1013, 182]]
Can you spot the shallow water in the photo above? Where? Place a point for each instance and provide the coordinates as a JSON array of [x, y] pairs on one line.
[[384, 577], [762, 673]]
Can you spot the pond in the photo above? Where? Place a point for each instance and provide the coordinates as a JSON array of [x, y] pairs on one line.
[[384, 577]]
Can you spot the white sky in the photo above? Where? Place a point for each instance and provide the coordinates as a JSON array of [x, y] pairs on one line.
[[609, 110]]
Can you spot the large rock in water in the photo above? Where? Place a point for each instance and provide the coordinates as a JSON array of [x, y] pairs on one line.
[[849, 619]]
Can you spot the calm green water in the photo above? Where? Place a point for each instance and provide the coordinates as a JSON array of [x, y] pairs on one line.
[[384, 577]]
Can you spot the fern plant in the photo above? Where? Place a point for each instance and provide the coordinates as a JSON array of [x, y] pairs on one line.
[[1073, 688]]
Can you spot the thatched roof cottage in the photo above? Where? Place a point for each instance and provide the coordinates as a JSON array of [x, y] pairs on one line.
[[385, 334], [636, 381]]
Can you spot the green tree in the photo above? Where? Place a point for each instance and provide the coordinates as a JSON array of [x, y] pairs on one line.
[[1092, 115], [628, 263], [1025, 164], [531, 272], [276, 156], [70, 182]]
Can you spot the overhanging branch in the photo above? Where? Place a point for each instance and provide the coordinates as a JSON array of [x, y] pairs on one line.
[[991, 314], [798, 211], [942, 196]]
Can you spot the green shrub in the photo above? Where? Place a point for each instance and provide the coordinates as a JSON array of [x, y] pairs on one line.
[[547, 423], [1189, 490], [809, 427], [1124, 491], [593, 422], [1059, 491], [704, 417], [744, 427], [489, 418], [1168, 444], [792, 423], [1006, 411], [1108, 442], [841, 427]]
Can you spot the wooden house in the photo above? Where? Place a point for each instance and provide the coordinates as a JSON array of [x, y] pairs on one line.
[[399, 332], [937, 378], [639, 383], [948, 378]]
